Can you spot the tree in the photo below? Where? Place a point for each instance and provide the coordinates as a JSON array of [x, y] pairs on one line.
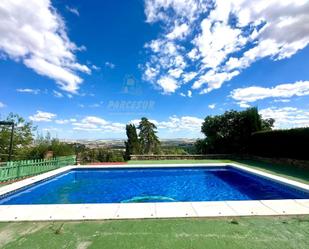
[[23, 136], [42, 145], [132, 144], [149, 141], [231, 131], [200, 146]]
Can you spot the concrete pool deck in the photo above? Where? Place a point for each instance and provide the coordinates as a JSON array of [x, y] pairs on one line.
[[151, 210]]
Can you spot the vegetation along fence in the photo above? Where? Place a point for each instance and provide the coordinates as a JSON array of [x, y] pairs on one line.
[[17, 169]]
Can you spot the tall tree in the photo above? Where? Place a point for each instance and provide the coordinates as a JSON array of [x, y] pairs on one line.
[[132, 144], [231, 131], [23, 136], [149, 141]]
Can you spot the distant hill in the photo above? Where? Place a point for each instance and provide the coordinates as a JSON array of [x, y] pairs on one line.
[[119, 143]]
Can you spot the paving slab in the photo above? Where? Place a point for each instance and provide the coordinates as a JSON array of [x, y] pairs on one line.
[[286, 207], [213, 209]]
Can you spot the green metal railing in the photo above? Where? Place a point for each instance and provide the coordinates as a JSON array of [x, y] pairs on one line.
[[18, 169]]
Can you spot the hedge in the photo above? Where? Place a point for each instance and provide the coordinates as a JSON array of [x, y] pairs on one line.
[[292, 143]]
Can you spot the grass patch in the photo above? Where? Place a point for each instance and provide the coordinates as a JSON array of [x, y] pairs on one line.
[[253, 233], [287, 171], [182, 161]]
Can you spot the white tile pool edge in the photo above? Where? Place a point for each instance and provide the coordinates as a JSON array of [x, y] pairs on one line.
[[53, 212]]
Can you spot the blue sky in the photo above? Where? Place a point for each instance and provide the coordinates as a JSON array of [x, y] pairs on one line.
[[83, 69]]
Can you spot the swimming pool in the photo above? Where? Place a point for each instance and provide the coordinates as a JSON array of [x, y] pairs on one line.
[[143, 185]]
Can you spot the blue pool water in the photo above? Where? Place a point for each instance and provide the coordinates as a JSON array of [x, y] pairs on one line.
[[152, 185]]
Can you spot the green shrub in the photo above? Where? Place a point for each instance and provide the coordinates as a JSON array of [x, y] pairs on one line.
[[41, 146], [173, 150], [100, 155], [292, 143]]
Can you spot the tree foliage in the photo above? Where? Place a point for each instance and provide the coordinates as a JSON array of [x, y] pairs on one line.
[[42, 145], [146, 142], [149, 141], [132, 144], [23, 136], [231, 131], [88, 155]]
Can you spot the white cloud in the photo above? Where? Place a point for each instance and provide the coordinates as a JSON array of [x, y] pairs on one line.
[[65, 121], [178, 32], [96, 105], [41, 116], [176, 73], [110, 65], [93, 123], [2, 105], [189, 94], [189, 76], [212, 106], [62, 121], [157, 10], [168, 84], [72, 10], [282, 100], [175, 123], [95, 67], [287, 117], [254, 93], [213, 79], [218, 39], [28, 90], [33, 32], [57, 94]]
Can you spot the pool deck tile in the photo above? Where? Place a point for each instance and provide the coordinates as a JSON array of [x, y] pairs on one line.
[[283, 207], [303, 202], [175, 209], [58, 212], [250, 208], [136, 210], [213, 209]]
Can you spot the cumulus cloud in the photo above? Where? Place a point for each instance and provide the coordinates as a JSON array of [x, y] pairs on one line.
[[41, 116], [178, 32], [96, 124], [287, 117], [284, 91], [168, 84], [175, 123], [218, 39], [2, 105], [34, 33], [93, 123]]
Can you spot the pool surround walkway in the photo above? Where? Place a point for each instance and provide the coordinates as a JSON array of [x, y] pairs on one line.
[[61, 212]]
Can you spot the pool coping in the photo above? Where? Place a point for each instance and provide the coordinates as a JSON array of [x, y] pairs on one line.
[[61, 212]]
